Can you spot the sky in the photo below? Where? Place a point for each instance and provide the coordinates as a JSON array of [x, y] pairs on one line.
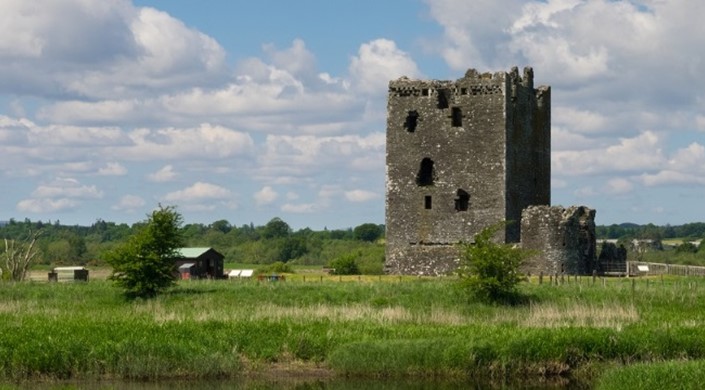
[[251, 110]]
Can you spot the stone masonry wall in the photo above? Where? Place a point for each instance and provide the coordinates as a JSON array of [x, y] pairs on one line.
[[461, 155], [564, 239]]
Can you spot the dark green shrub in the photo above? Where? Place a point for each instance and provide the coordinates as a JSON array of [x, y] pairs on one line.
[[345, 265], [277, 267]]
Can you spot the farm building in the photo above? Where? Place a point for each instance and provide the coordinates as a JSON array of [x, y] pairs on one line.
[[200, 263], [68, 274]]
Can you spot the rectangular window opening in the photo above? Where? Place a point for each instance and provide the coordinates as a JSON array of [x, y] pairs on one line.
[[427, 202], [456, 117]]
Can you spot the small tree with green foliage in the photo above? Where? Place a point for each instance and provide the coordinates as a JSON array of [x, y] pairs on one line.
[[345, 265], [489, 271], [144, 266]]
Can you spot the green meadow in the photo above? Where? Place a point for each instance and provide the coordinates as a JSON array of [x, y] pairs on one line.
[[368, 327]]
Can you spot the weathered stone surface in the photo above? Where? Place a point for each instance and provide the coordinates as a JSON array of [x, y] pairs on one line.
[[462, 155], [564, 239]]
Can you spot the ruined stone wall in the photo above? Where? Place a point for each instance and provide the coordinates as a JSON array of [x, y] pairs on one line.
[[564, 239], [457, 153], [528, 148]]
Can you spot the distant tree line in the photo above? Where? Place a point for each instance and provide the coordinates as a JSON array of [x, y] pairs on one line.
[[645, 242], [273, 242], [650, 231]]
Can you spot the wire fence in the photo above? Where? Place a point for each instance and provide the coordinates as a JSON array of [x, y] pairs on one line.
[[645, 268]]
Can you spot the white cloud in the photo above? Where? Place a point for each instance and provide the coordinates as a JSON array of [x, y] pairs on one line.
[[585, 192], [378, 62], [700, 122], [475, 32], [129, 203], [619, 186], [669, 177], [205, 142], [577, 120], [113, 169], [165, 174], [360, 195], [101, 49], [308, 155], [689, 159], [61, 194], [685, 167], [296, 60], [302, 208], [197, 192], [45, 205], [640, 153], [67, 188], [265, 196]]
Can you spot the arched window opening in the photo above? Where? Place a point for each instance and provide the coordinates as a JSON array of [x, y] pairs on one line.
[[426, 174], [462, 202], [411, 121]]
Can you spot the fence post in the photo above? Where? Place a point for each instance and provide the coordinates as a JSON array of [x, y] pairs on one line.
[[541, 277], [594, 276]]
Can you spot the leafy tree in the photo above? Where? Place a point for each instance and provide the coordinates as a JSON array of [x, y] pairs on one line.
[[77, 248], [368, 232], [341, 234], [144, 266], [488, 270], [276, 228], [221, 226], [345, 265], [292, 248]]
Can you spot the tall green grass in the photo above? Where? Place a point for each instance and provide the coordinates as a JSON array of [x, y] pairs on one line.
[[373, 327], [661, 375]]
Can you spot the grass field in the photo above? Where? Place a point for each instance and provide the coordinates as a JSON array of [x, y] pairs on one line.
[[359, 326]]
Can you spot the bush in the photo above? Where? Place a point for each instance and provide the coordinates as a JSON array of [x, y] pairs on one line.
[[490, 271], [345, 265], [276, 267], [686, 247]]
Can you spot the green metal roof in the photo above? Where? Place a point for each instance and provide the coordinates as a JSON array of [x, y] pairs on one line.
[[191, 253]]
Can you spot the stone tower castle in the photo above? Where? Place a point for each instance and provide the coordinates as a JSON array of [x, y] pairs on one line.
[[462, 155]]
